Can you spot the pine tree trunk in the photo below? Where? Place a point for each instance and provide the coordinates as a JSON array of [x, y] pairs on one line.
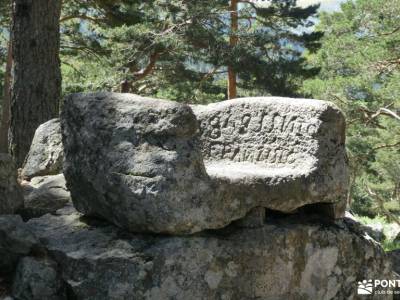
[[5, 114], [36, 84], [233, 39]]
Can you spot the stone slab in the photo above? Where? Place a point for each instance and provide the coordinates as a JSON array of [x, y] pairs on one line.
[[152, 165]]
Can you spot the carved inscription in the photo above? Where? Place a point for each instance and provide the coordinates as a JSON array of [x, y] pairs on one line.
[[262, 121], [250, 153], [260, 135]]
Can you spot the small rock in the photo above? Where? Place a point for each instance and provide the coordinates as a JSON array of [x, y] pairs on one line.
[[394, 232], [11, 198], [38, 279], [45, 156], [375, 231], [44, 195]]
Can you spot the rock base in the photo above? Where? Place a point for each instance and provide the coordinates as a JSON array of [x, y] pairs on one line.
[[292, 257]]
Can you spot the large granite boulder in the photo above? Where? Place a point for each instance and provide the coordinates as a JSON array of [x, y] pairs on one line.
[[294, 257], [151, 166], [44, 195], [11, 198], [45, 156]]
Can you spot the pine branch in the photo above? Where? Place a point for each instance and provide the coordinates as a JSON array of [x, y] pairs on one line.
[[149, 68], [387, 66], [72, 67], [386, 146], [85, 49], [172, 28], [82, 17], [368, 155], [381, 111], [126, 85], [380, 201], [208, 75], [395, 30], [387, 112], [391, 32]]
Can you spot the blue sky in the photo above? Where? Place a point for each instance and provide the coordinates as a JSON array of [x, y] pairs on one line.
[[326, 5]]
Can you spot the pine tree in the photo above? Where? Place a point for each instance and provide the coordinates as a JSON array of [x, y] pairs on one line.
[[36, 82], [5, 74], [183, 50], [360, 71], [233, 42]]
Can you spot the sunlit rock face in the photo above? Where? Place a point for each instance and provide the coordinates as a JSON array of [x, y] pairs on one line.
[[281, 153], [44, 194], [135, 162], [152, 165], [46, 155]]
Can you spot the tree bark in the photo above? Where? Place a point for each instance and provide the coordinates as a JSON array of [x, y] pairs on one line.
[[5, 115], [233, 40], [36, 84]]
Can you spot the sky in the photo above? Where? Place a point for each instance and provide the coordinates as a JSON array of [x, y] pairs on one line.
[[326, 5]]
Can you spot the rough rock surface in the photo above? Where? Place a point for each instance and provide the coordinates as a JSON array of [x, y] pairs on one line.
[[284, 153], [16, 241], [134, 161], [44, 195], [137, 161], [254, 218], [38, 279], [10, 193], [394, 256], [295, 257], [45, 156]]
